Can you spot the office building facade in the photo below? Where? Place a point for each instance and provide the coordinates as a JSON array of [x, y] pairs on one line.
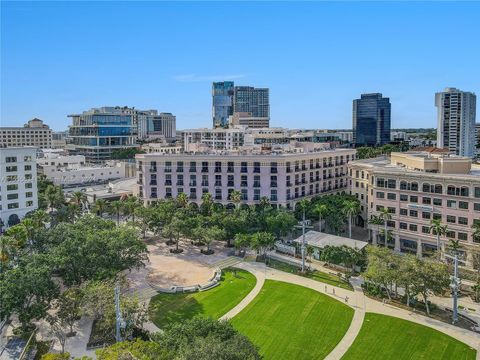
[[98, 132], [417, 187], [456, 111], [222, 102], [371, 120], [34, 133], [18, 184], [283, 178]]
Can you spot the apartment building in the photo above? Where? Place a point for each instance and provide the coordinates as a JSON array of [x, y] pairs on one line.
[[213, 139], [18, 184], [456, 111], [417, 187], [282, 177], [34, 133]]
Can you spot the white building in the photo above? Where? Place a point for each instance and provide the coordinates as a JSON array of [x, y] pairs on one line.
[[456, 121], [162, 125], [214, 139], [72, 170], [162, 148], [34, 133], [18, 184]]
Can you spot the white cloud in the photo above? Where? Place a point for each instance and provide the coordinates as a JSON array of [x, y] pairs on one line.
[[197, 78]]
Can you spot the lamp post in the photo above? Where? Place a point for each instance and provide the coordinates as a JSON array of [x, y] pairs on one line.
[[119, 322], [455, 286]]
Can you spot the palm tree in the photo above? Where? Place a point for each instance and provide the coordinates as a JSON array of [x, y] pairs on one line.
[[130, 205], [100, 206], [376, 221], [40, 218], [182, 200], [53, 196], [79, 198], [74, 210], [236, 197], [116, 208], [476, 230], [351, 208], [321, 210], [385, 215], [438, 229], [454, 245], [207, 202]]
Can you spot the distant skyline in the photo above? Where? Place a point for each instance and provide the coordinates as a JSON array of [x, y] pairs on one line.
[[59, 58]]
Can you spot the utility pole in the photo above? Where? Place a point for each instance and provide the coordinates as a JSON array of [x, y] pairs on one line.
[[303, 240], [118, 315], [455, 286]]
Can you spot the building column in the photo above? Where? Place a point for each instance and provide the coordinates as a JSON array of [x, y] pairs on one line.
[[419, 248], [397, 242], [374, 237]]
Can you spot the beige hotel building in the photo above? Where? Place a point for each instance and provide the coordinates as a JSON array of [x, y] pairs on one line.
[[416, 187], [283, 178]]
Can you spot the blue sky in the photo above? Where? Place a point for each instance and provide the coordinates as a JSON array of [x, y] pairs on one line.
[[62, 58]]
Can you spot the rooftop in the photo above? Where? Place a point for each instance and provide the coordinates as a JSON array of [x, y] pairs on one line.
[[320, 240]]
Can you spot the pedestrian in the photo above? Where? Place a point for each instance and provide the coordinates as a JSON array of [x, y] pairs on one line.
[[333, 291], [346, 299], [325, 288]]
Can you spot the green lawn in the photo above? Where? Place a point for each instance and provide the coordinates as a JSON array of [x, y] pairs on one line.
[[314, 275], [167, 308], [293, 322], [384, 337]]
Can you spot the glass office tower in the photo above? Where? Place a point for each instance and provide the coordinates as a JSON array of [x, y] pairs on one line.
[[371, 120], [222, 102]]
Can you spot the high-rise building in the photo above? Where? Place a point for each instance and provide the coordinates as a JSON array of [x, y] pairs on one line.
[[252, 101], [371, 120], [456, 121], [222, 102], [96, 133], [34, 133], [18, 184], [163, 124], [244, 105]]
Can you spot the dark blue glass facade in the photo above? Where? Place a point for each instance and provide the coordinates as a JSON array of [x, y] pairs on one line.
[[222, 102], [371, 120]]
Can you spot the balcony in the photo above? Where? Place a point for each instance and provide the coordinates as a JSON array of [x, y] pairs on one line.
[[256, 184], [273, 184], [153, 182], [192, 183], [179, 169], [204, 183], [168, 182], [218, 183]]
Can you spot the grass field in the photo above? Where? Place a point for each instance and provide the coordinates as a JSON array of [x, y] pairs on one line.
[[166, 308], [314, 275], [384, 337], [293, 322]]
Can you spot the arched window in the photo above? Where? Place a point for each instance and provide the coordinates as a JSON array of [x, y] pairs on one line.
[[403, 185], [464, 191], [438, 189], [414, 186], [426, 187]]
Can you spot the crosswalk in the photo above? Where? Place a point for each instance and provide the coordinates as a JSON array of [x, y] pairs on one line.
[[225, 263]]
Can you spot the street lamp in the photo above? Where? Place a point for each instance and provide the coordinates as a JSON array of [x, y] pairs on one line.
[[455, 286], [304, 243]]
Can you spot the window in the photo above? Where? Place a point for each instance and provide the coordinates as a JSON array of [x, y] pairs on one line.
[[391, 196], [412, 227], [380, 182], [13, 206], [243, 167], [462, 220], [404, 212], [230, 167], [391, 184], [10, 168], [463, 205], [476, 206], [413, 213], [426, 200], [437, 202], [425, 229], [437, 216], [451, 234], [477, 192], [12, 196], [452, 204], [12, 187], [11, 159], [403, 226], [28, 185], [414, 199], [457, 191], [451, 219], [426, 215], [28, 194], [28, 176], [403, 197], [380, 195], [462, 236], [392, 210], [431, 188], [256, 167], [29, 203], [27, 158]]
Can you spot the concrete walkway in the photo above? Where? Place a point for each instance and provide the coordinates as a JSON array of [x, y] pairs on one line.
[[358, 301]]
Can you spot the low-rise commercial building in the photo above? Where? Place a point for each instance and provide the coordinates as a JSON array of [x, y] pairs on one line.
[[18, 184], [283, 178], [214, 139], [34, 133], [417, 187]]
